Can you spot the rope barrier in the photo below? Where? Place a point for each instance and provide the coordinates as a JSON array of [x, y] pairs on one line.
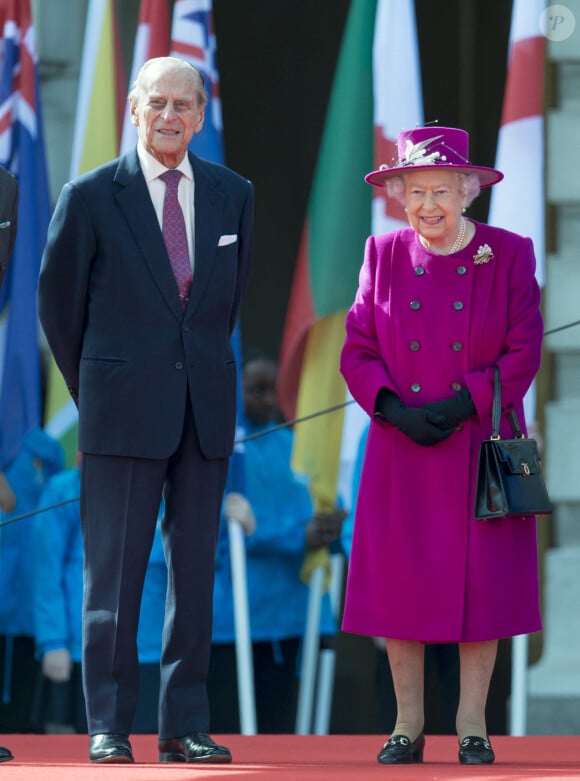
[[255, 435]]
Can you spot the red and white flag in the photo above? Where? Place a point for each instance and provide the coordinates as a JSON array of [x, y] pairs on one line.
[[151, 40], [398, 97], [518, 202], [398, 105]]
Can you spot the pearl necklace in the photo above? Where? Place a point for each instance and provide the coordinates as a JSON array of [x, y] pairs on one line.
[[458, 239], [460, 236]]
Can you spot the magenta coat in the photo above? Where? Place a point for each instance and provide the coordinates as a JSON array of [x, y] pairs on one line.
[[423, 325]]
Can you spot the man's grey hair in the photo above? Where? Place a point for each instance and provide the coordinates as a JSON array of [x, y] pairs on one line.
[[151, 68]]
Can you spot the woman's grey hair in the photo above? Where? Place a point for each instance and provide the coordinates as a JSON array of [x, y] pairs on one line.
[[150, 70], [468, 184]]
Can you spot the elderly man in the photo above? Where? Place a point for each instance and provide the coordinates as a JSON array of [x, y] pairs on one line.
[[141, 284]]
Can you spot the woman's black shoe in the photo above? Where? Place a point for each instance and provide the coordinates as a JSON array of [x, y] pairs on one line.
[[398, 750], [475, 751]]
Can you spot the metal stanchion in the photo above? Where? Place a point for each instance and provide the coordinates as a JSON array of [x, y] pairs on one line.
[[244, 660], [310, 647], [327, 658], [519, 696]]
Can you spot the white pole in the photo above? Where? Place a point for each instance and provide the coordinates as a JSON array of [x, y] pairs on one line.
[[310, 646], [518, 705], [327, 659], [337, 562], [244, 660], [326, 665]]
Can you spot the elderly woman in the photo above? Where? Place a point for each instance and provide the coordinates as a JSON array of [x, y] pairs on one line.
[[439, 305]]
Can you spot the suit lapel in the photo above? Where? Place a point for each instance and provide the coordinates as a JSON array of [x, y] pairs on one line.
[[135, 203], [209, 204]]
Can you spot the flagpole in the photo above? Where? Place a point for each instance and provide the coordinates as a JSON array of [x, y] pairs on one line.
[[518, 205], [193, 39]]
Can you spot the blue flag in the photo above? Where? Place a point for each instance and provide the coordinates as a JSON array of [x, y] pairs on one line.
[[193, 39], [22, 153]]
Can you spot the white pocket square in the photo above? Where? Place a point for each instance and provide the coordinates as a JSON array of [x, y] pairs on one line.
[[227, 238]]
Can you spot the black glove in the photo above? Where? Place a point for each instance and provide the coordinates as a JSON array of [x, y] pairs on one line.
[[419, 424], [454, 410]]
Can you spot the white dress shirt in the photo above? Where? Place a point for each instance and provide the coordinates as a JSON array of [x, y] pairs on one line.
[[152, 170]]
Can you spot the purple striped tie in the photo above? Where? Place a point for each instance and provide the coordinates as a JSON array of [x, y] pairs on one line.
[[175, 235]]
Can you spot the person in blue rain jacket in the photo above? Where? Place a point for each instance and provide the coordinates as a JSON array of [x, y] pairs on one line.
[[23, 479], [276, 511], [58, 556]]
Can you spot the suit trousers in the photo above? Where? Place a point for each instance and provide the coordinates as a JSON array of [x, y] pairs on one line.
[[120, 499]]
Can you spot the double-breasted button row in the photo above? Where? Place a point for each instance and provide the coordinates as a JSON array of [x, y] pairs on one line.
[[457, 305], [461, 270], [416, 387], [414, 345]]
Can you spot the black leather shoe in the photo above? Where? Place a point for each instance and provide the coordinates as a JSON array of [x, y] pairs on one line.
[[5, 754], [474, 750], [197, 747], [110, 747], [398, 750]]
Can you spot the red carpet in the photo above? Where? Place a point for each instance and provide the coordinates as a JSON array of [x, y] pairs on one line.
[[300, 758]]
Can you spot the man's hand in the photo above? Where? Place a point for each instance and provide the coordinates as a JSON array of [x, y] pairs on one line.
[[57, 665], [237, 508]]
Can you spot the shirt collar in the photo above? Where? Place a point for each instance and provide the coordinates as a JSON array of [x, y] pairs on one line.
[[152, 168]]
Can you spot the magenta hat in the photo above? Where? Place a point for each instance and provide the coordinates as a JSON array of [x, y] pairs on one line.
[[425, 147]]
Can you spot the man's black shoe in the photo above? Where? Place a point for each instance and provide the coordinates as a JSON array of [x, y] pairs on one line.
[[110, 747], [5, 754], [197, 747]]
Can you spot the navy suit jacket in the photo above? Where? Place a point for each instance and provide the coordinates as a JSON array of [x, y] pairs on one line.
[[109, 306]]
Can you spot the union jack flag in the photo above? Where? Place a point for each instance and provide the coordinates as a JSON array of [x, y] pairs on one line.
[[21, 152], [193, 39]]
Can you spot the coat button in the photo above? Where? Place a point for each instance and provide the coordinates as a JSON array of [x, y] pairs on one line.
[[458, 306], [414, 346], [461, 270], [179, 365], [456, 386], [457, 347], [415, 305], [419, 271], [415, 387]]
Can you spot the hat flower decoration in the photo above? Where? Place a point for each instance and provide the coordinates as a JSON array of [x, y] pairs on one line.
[[416, 154]]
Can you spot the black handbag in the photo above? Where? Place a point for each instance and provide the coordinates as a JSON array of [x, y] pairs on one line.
[[509, 479]]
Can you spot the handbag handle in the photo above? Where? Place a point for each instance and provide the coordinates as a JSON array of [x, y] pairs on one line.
[[496, 410]]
